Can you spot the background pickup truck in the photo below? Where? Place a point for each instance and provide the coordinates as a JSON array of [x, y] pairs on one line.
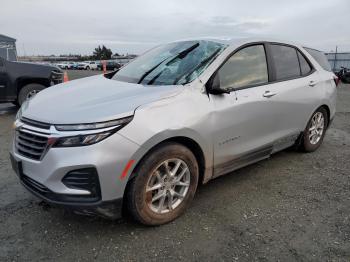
[[20, 81]]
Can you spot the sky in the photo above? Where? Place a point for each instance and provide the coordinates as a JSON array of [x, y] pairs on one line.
[[45, 27]]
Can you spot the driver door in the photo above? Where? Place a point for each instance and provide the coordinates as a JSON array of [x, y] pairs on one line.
[[3, 81], [244, 123]]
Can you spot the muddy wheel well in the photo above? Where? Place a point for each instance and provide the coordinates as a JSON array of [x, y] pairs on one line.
[[190, 144]]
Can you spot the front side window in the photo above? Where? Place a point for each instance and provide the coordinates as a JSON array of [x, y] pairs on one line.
[[286, 61], [244, 68], [171, 64]]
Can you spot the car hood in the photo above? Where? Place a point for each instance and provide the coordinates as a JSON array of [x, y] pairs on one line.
[[92, 99]]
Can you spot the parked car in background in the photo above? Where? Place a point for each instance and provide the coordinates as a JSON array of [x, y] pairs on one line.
[[20, 81], [82, 66], [111, 65], [88, 65], [62, 65], [92, 65], [72, 65], [344, 75], [180, 115]]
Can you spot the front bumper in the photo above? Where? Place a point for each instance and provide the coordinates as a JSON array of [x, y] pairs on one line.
[[109, 157], [108, 209]]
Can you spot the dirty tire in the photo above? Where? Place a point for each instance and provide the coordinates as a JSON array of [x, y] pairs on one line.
[[305, 144], [138, 201], [23, 94]]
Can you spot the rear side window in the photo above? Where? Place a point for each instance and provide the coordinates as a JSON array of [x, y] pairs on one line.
[[286, 61], [305, 67], [320, 58]]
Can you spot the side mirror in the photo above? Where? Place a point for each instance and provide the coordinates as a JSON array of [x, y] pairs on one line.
[[213, 85]]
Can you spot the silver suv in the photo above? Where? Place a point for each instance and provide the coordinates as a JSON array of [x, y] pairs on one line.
[[180, 115]]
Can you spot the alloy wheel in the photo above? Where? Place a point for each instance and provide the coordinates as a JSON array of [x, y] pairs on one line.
[[168, 186], [316, 128]]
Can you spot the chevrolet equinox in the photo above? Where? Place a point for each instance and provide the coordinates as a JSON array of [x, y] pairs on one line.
[[144, 137]]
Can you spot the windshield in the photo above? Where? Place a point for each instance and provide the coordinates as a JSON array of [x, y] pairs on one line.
[[171, 64]]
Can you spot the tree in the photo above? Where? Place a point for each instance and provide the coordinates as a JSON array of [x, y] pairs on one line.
[[102, 53]]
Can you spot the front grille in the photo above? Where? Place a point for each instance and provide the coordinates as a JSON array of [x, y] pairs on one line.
[[57, 77], [35, 123], [30, 145]]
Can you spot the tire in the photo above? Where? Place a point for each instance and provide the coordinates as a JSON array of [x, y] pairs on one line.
[[309, 144], [139, 202], [26, 91]]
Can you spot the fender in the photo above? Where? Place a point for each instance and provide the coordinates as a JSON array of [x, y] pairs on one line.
[[152, 142]]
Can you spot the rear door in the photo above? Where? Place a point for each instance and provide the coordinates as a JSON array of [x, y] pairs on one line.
[[291, 93]]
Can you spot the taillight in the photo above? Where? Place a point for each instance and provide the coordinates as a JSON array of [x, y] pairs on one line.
[[336, 80]]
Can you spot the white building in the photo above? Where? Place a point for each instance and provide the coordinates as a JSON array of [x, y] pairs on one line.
[[8, 48]]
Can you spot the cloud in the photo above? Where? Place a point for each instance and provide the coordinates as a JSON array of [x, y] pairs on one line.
[[62, 26]]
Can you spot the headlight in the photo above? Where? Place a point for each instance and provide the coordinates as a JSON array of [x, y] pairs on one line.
[[91, 138], [77, 127], [82, 140]]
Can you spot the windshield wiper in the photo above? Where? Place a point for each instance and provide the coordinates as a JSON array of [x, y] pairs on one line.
[[151, 70], [183, 53], [198, 66], [180, 55]]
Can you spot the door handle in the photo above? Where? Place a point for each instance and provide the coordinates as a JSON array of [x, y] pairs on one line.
[[269, 94], [312, 83]]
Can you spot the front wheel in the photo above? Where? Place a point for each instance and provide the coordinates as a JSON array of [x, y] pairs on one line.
[[164, 185], [315, 131]]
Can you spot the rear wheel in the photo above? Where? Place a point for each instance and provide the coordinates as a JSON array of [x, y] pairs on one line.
[[164, 185], [28, 92], [315, 131]]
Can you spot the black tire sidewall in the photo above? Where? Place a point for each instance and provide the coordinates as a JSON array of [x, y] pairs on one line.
[[307, 146], [22, 96], [139, 208]]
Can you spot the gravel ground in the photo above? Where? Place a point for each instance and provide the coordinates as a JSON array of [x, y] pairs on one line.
[[291, 207]]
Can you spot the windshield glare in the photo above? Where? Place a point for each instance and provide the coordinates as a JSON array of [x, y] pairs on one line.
[[171, 64]]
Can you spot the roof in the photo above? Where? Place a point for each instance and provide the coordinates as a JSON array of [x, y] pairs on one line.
[[241, 40], [7, 38]]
